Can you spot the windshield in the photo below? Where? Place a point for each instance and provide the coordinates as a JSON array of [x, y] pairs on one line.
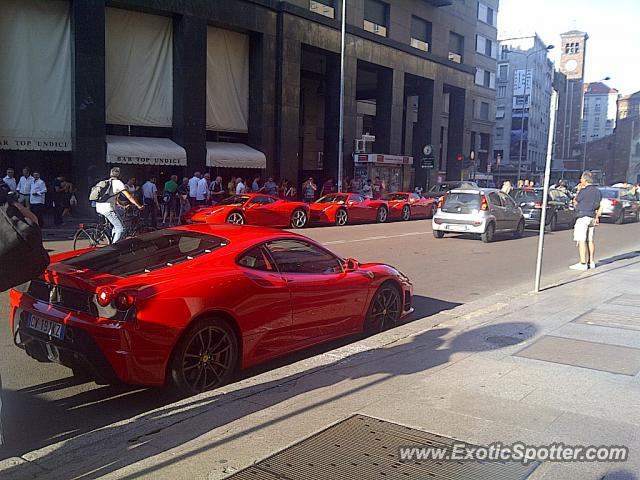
[[333, 198], [147, 252], [461, 203], [609, 192], [526, 196], [391, 197], [445, 187], [235, 200]]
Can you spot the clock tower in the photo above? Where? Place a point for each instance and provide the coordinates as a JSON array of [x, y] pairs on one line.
[[572, 55]]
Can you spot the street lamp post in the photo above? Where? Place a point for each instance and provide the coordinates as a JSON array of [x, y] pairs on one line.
[[584, 147], [524, 96]]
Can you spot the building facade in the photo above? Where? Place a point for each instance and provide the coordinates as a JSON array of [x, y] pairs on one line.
[[599, 111], [205, 77], [568, 127], [483, 94], [524, 87]]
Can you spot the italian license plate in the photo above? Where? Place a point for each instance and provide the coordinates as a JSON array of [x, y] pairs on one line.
[[457, 228], [48, 327]]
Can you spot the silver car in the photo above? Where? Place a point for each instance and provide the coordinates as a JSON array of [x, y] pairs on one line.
[[482, 211]]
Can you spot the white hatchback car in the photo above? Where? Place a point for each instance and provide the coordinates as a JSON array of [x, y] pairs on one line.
[[482, 211]]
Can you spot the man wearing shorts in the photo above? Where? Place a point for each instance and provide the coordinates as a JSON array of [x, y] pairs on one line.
[[588, 213]]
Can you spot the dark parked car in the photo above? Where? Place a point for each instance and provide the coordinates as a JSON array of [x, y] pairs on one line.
[[440, 189], [560, 209], [619, 204]]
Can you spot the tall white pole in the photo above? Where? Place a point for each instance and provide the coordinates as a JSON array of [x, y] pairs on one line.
[[341, 127], [545, 189]]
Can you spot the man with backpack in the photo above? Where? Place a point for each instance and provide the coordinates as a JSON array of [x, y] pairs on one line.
[[105, 194]]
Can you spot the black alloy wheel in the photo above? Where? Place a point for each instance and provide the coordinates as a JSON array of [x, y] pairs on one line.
[[205, 358], [406, 213], [385, 309]]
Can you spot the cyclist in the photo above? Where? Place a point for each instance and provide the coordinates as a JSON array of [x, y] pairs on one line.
[[107, 208]]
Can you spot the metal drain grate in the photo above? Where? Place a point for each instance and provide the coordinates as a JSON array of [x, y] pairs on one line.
[[363, 448]]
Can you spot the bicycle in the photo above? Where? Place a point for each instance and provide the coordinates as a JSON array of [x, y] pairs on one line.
[[95, 235]]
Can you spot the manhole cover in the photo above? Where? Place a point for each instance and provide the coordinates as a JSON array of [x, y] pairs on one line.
[[362, 447], [503, 340]]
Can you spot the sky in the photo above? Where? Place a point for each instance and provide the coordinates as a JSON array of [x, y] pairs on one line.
[[613, 27]]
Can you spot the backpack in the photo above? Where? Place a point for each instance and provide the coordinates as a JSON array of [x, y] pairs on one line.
[[100, 191], [22, 255]]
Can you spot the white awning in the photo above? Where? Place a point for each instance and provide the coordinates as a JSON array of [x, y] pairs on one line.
[[144, 151], [234, 155]]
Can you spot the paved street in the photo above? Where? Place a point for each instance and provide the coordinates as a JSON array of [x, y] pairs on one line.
[[42, 405]]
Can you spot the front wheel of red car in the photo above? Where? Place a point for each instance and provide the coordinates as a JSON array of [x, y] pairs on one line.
[[299, 218], [342, 217], [235, 218], [385, 309], [205, 358]]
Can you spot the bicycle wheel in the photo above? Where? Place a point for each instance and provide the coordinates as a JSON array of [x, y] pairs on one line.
[[90, 237]]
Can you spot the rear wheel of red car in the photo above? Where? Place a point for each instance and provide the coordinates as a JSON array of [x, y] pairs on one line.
[[236, 218], [342, 217], [406, 213], [298, 218], [205, 358], [382, 215], [385, 309]]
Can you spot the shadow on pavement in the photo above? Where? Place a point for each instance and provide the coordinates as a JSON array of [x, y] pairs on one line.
[[174, 425], [601, 263]]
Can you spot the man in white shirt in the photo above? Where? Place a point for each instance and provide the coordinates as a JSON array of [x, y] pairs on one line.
[[24, 186], [193, 188], [10, 180], [202, 191], [150, 200], [37, 194], [240, 187], [107, 207]]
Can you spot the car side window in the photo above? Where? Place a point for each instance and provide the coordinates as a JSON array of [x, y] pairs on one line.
[[295, 256], [507, 201], [494, 199], [414, 196], [260, 200], [257, 259], [356, 198]]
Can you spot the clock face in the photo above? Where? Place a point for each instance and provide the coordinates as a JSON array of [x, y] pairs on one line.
[[571, 65], [427, 150]]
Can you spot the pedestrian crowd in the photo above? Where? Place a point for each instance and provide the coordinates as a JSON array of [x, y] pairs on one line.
[[33, 193]]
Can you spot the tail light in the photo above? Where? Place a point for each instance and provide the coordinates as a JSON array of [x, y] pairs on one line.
[[104, 296], [125, 300], [614, 202], [537, 205], [484, 205], [441, 201]]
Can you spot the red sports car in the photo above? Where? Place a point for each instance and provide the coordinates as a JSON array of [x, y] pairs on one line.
[[188, 306], [343, 208], [252, 209], [406, 206]]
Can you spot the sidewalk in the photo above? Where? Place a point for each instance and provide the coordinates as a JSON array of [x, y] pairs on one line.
[[562, 366]]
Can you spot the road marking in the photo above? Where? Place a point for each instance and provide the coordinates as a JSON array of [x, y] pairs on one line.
[[380, 237]]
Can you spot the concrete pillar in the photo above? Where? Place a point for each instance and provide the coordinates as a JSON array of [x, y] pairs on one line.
[[190, 88], [456, 133], [423, 131], [88, 95]]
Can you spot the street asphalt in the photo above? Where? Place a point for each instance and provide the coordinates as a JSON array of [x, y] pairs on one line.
[[42, 405]]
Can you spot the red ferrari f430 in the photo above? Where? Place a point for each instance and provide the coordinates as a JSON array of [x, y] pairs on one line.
[[342, 208], [407, 206], [252, 209], [186, 307]]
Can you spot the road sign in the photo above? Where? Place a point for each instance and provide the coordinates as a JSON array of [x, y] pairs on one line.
[[428, 162]]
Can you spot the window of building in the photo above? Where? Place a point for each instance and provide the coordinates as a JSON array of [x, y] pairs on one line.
[[499, 112], [484, 111], [503, 72], [420, 34], [502, 91], [637, 152], [323, 7], [499, 133], [504, 52], [447, 99], [485, 78], [376, 17], [486, 46], [486, 14], [456, 47], [571, 48]]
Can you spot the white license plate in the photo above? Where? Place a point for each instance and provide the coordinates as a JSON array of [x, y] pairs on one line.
[[48, 327], [457, 228]]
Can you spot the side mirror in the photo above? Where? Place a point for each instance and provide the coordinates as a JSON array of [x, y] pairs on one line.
[[350, 265]]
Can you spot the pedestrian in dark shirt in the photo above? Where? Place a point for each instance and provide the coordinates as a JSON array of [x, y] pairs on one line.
[[58, 197], [588, 211]]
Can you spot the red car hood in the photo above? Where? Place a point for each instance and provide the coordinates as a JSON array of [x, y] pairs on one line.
[[317, 207]]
